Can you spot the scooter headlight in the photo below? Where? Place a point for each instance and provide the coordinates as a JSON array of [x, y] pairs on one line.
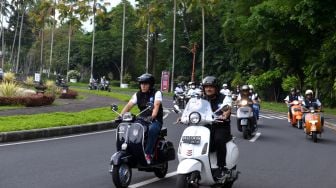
[[127, 117], [194, 117], [244, 102]]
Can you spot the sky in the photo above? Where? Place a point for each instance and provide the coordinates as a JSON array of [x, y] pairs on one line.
[[88, 27]]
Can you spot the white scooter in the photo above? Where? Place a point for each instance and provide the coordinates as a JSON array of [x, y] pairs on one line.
[[196, 162], [246, 121]]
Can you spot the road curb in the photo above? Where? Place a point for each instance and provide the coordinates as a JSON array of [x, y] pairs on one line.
[[55, 131]]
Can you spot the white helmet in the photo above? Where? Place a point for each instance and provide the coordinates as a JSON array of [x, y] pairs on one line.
[[224, 85], [251, 87], [309, 91]]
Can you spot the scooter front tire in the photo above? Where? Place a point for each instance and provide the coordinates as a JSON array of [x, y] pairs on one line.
[[121, 175], [182, 181], [161, 172]]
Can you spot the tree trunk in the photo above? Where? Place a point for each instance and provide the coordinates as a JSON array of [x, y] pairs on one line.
[[19, 48], [203, 41], [41, 52], [15, 33], [69, 45]]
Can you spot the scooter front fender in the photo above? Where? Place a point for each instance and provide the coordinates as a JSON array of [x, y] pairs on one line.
[[119, 157], [189, 165]]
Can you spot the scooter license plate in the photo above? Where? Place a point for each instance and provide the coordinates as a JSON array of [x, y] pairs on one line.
[[243, 122], [191, 139]]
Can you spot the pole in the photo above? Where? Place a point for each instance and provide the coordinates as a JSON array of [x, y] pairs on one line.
[[173, 66], [93, 37], [122, 47], [52, 37], [147, 48], [203, 41], [193, 51]]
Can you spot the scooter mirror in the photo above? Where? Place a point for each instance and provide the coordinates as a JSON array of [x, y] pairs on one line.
[[176, 109], [114, 107]]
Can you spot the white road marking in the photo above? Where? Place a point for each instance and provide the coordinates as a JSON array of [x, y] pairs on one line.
[[140, 184], [167, 112], [255, 137], [58, 138]]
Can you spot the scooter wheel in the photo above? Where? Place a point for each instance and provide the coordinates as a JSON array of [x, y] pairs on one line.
[[162, 171], [182, 181], [245, 132], [121, 175], [314, 135]]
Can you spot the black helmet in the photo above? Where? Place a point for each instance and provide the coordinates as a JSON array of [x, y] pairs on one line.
[[147, 78], [210, 81]]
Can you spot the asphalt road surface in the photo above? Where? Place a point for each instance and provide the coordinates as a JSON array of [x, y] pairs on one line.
[[278, 156]]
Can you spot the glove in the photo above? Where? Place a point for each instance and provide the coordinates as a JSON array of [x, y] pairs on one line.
[[118, 119]]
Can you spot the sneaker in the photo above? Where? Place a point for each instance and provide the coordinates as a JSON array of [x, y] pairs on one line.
[[220, 172], [148, 159]]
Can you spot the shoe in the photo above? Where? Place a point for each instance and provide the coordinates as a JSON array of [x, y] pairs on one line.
[[220, 172], [148, 159]]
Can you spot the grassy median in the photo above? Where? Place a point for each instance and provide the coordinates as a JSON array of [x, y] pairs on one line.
[[56, 119]]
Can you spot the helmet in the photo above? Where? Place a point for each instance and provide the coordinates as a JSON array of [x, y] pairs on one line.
[[308, 92], [251, 87], [292, 89], [210, 81], [147, 78], [191, 83], [225, 85], [245, 88]]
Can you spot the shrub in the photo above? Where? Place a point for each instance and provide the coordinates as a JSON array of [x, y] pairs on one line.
[[73, 74], [9, 77], [71, 94], [39, 100], [8, 89], [29, 81]]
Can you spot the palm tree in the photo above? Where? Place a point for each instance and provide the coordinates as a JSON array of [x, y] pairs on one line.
[[52, 34], [40, 15], [204, 5], [72, 11]]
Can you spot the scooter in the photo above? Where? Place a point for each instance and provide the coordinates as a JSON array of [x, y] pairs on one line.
[[180, 100], [197, 163], [131, 139], [246, 121], [312, 123], [296, 109]]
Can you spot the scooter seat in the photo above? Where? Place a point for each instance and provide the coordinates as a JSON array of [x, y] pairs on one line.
[[163, 131]]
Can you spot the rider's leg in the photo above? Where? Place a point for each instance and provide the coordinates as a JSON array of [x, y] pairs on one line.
[[221, 137], [153, 132]]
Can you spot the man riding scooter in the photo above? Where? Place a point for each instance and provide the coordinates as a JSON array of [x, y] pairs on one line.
[[147, 94], [311, 102], [293, 96], [221, 132]]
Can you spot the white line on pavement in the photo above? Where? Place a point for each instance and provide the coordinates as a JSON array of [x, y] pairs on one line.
[[255, 137], [140, 184], [58, 138]]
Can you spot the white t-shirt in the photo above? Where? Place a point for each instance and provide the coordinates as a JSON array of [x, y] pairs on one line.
[[225, 91], [158, 97]]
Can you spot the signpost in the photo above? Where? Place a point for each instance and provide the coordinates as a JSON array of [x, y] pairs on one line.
[[165, 81]]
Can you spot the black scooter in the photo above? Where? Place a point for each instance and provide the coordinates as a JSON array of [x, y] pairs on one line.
[[131, 140]]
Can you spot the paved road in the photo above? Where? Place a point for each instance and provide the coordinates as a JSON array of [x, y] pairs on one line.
[[280, 157]]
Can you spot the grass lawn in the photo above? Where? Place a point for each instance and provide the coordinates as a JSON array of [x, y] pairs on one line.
[[56, 119]]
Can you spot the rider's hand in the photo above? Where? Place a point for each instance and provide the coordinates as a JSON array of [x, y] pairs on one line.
[[118, 119], [178, 120]]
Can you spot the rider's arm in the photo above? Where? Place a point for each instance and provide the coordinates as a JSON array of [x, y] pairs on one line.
[[129, 105], [157, 102]]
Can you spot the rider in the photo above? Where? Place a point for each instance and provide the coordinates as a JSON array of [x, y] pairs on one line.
[[256, 101], [311, 101], [193, 89], [221, 132], [148, 93], [225, 91], [290, 98], [178, 90]]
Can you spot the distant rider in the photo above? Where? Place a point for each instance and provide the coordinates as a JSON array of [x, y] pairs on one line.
[[178, 90], [311, 102], [225, 90], [147, 93], [293, 96]]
